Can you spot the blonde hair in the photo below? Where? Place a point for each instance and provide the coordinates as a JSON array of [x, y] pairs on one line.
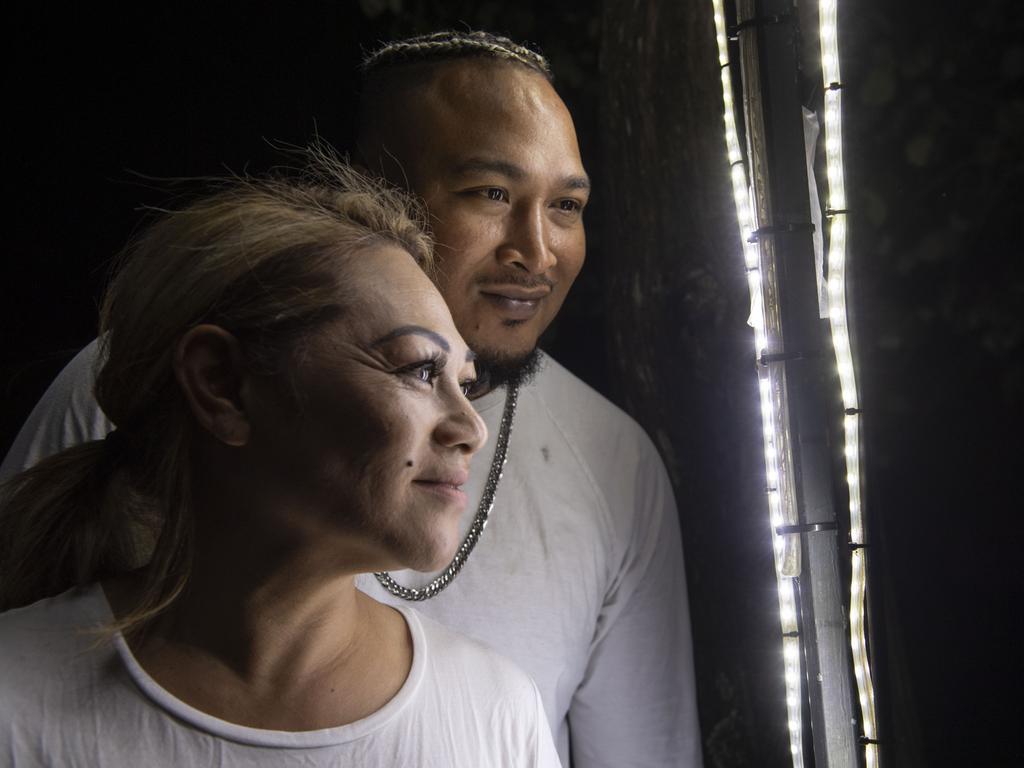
[[257, 257]]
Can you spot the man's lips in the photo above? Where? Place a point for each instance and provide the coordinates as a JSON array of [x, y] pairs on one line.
[[513, 301], [517, 292]]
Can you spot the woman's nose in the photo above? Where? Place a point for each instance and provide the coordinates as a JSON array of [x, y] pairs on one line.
[[462, 427]]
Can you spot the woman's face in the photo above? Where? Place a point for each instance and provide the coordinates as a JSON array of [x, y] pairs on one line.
[[373, 457]]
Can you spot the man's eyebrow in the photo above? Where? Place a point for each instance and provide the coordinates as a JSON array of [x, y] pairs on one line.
[[576, 182], [486, 165], [415, 330], [512, 171]]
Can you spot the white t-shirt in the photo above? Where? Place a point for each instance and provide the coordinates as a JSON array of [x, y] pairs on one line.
[[578, 577], [72, 697]]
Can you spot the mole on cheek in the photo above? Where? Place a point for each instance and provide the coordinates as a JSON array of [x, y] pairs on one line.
[[408, 463]]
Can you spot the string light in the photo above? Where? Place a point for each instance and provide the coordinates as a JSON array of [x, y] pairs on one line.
[[828, 34], [781, 507]]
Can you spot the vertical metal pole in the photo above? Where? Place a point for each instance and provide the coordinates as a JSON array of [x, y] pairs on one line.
[[768, 34]]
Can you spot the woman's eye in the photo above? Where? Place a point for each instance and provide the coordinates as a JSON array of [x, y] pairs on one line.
[[467, 386], [424, 372]]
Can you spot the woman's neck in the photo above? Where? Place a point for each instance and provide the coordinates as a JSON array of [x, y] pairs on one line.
[[273, 638]]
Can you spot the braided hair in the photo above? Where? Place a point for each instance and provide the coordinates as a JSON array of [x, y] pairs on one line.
[[451, 44]]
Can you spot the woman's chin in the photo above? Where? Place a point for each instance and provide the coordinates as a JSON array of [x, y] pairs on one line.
[[434, 555]]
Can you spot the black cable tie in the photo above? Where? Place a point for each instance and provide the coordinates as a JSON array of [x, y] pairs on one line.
[[855, 545], [864, 741], [853, 411], [758, 21], [791, 634], [735, 163], [723, 66], [748, 270], [775, 229], [782, 357], [835, 86], [835, 211], [807, 528]]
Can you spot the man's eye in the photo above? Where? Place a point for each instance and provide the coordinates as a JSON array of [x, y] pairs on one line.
[[497, 194], [570, 206]]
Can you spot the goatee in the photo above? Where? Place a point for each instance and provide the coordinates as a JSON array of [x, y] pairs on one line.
[[495, 370]]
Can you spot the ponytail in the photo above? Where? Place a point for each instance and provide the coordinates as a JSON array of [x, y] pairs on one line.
[[61, 524]]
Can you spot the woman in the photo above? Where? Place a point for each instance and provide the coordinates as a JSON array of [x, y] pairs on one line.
[[288, 390]]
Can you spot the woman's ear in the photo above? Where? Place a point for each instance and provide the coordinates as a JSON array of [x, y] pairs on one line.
[[211, 372]]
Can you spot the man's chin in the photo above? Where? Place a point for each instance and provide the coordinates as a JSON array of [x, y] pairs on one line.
[[498, 368]]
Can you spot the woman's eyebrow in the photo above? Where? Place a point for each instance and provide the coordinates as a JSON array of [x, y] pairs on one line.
[[416, 330]]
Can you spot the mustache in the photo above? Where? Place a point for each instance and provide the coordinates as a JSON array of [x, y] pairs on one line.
[[522, 281]]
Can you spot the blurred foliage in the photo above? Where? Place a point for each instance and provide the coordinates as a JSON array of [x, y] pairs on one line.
[[934, 117], [935, 111]]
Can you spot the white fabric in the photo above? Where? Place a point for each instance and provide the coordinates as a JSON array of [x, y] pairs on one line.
[[77, 698], [66, 415], [578, 577]]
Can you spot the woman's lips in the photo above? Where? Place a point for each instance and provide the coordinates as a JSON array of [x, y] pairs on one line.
[[448, 486]]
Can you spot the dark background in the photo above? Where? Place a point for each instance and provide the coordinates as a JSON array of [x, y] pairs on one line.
[[97, 102]]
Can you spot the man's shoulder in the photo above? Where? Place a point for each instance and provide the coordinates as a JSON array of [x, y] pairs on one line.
[[67, 415], [612, 454], [41, 642], [579, 410], [455, 655], [58, 618], [485, 695]]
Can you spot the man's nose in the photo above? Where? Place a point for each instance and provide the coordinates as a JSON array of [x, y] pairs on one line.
[[527, 245]]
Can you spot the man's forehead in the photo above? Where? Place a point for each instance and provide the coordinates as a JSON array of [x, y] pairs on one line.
[[474, 112], [481, 82], [469, 116]]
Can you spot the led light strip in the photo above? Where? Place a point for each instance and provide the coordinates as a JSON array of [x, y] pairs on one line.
[[838, 320], [780, 499]]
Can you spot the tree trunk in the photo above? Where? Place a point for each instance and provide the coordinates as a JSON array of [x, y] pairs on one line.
[[681, 354]]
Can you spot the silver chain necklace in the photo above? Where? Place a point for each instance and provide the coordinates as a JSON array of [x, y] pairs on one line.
[[483, 511]]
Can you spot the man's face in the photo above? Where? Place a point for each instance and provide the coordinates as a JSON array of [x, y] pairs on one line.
[[492, 150]]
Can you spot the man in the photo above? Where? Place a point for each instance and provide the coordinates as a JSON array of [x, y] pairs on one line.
[[579, 575]]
